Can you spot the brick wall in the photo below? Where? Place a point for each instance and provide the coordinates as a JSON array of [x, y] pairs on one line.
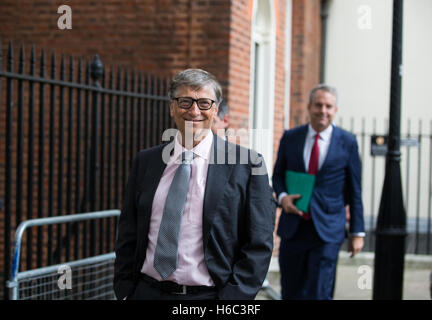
[[239, 63], [159, 36], [280, 75], [305, 59]]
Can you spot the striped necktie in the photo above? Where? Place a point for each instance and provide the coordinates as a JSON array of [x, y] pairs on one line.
[[165, 259]]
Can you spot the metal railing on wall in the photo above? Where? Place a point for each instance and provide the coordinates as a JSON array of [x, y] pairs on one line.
[[68, 137], [416, 171]]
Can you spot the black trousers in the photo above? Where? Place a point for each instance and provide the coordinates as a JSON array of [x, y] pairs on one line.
[[146, 291]]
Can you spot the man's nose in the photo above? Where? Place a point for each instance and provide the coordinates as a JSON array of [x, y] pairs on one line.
[[194, 110], [322, 109]]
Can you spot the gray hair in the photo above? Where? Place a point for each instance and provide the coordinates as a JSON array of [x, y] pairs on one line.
[[195, 79], [323, 87]]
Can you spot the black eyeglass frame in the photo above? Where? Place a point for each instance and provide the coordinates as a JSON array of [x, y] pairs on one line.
[[194, 100]]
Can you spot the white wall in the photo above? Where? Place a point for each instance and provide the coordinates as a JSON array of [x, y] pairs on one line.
[[358, 58], [358, 62]]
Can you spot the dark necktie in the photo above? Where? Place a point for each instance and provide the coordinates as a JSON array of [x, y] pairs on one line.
[[165, 258], [313, 166]]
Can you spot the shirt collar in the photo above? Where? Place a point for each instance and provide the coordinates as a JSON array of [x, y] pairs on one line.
[[324, 135], [202, 149]]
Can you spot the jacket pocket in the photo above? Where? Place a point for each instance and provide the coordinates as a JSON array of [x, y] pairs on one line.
[[334, 207]]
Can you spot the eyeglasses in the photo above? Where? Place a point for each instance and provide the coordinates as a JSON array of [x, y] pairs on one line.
[[187, 102]]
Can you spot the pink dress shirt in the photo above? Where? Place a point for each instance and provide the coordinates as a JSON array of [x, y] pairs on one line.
[[191, 267]]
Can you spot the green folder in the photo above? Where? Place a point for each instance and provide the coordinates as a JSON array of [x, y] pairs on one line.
[[300, 183]]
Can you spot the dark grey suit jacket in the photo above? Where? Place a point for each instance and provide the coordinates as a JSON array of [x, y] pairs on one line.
[[238, 220]]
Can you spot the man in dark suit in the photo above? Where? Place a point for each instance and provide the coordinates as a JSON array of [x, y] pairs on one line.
[[310, 241], [221, 245]]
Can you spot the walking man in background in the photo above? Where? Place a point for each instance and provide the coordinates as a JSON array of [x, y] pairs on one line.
[[310, 241]]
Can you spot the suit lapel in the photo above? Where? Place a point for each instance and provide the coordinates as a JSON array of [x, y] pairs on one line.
[[300, 147], [155, 167], [218, 174]]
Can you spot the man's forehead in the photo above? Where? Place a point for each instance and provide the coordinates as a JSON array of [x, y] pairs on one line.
[[194, 90], [324, 94]]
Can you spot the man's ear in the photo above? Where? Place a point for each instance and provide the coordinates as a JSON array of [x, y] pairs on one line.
[[226, 118], [171, 107]]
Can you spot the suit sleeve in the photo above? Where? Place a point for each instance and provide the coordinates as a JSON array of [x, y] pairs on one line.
[[278, 178], [126, 240], [354, 192], [250, 269]]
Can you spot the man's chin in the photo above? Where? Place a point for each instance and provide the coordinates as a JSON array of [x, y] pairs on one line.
[[197, 133], [320, 126], [200, 133]]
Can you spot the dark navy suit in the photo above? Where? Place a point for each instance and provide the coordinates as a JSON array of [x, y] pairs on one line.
[[309, 249]]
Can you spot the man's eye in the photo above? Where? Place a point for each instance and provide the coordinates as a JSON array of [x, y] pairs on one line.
[[184, 101], [204, 103]]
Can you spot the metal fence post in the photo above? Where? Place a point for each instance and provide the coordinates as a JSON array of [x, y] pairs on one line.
[[96, 70], [391, 223]]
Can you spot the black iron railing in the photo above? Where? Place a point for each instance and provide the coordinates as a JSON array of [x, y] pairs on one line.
[[416, 170], [68, 140]]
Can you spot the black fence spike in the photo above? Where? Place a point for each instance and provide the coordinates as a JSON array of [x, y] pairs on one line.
[[32, 60], [79, 75], [126, 80], [21, 62], [53, 65], [71, 68], [1, 56], [118, 78], [10, 57], [62, 67], [111, 78], [42, 63]]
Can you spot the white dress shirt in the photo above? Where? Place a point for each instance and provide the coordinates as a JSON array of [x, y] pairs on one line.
[[191, 268], [323, 144]]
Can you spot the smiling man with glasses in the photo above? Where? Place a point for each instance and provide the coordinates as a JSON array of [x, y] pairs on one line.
[[195, 227], [194, 108]]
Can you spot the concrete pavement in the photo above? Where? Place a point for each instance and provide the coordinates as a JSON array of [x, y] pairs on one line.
[[354, 277]]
